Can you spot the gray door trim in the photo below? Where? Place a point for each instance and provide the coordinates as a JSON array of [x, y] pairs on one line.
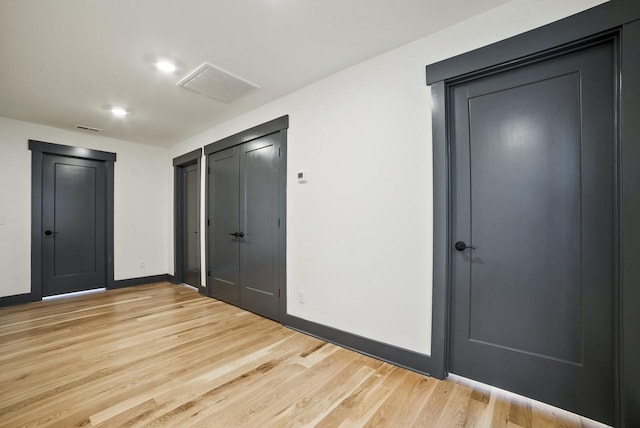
[[277, 125], [629, 245], [192, 158], [621, 18], [74, 152], [188, 158], [258, 131], [598, 19], [38, 150]]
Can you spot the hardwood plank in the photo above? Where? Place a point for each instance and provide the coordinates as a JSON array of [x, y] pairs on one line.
[[366, 398], [162, 355], [409, 403], [520, 414], [313, 406], [433, 408], [501, 407], [477, 406], [455, 412]]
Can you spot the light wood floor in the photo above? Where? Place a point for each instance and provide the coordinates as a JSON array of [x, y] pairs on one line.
[[161, 355]]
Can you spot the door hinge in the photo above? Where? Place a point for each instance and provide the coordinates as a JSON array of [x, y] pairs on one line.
[[278, 221], [279, 152], [208, 273], [278, 292], [208, 170], [208, 222]]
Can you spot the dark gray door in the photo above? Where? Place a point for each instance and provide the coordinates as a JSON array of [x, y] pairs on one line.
[[73, 225], [191, 224], [244, 198], [533, 156], [259, 201], [224, 228]]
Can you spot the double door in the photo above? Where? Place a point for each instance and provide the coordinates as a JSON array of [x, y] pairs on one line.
[[243, 200]]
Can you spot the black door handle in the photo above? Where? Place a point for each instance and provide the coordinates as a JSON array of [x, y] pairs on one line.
[[461, 246], [234, 234], [49, 233]]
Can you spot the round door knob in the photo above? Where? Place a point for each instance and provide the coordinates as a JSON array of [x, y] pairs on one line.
[[48, 232]]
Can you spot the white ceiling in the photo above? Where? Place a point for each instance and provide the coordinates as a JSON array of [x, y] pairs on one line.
[[64, 62]]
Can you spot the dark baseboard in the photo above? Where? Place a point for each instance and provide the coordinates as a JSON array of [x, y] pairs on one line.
[[392, 354], [17, 299], [131, 282], [20, 299], [201, 289]]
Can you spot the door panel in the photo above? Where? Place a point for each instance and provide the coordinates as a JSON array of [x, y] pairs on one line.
[[223, 200], [191, 224], [259, 222], [74, 224], [536, 145], [533, 180]]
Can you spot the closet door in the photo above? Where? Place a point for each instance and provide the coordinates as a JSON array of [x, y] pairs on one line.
[[245, 237], [259, 200], [224, 237], [190, 219]]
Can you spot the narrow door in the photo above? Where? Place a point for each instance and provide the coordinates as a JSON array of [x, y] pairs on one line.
[[191, 224], [224, 225], [73, 225], [533, 212], [259, 199]]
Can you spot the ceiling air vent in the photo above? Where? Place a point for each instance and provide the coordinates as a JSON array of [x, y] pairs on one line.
[[216, 83], [88, 128]]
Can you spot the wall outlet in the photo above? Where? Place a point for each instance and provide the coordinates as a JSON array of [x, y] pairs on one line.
[[142, 264], [301, 296]]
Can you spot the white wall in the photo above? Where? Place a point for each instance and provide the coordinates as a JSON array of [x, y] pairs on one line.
[[142, 201], [359, 236]]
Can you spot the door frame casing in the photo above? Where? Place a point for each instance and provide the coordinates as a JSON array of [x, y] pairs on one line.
[[279, 125], [194, 157], [38, 150], [618, 18]]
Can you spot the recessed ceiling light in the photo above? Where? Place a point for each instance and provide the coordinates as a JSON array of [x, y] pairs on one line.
[[166, 66], [118, 111]]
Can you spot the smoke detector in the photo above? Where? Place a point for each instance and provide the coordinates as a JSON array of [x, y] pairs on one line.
[[216, 83]]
